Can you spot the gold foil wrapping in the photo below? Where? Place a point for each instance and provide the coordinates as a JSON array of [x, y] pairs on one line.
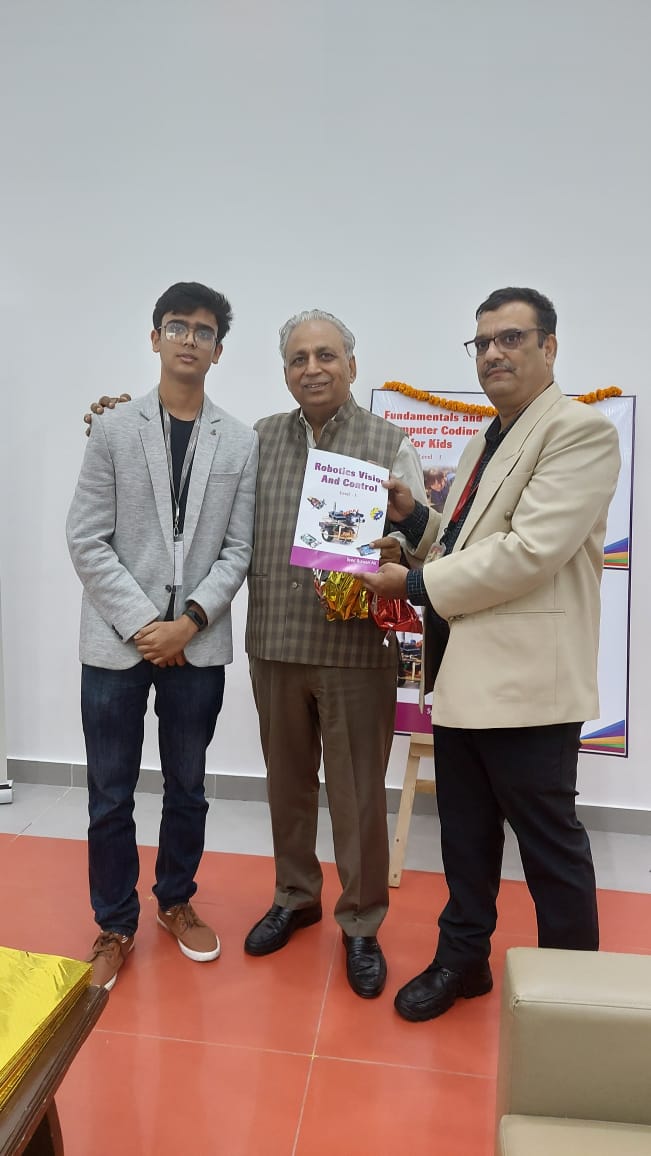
[[36, 993], [342, 595]]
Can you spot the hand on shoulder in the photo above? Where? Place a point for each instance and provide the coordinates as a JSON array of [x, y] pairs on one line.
[[104, 402]]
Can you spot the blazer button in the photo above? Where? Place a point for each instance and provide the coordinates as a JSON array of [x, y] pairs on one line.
[[508, 514], [295, 585], [168, 589]]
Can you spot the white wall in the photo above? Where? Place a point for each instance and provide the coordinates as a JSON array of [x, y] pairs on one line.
[[391, 163]]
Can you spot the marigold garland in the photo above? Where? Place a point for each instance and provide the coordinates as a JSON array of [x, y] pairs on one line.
[[482, 410]]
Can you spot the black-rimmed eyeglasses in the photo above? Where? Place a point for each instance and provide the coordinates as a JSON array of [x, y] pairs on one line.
[[506, 341]]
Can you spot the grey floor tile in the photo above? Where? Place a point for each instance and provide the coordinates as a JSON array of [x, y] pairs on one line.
[[67, 818], [622, 862], [31, 802], [324, 845], [239, 827], [147, 816], [423, 851]]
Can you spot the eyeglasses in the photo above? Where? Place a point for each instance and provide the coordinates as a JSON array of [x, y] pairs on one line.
[[506, 341], [204, 337]]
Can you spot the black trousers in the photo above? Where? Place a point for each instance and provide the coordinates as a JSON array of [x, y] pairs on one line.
[[526, 775]]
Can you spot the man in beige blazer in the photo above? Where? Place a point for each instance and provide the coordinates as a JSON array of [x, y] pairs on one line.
[[511, 582], [160, 532]]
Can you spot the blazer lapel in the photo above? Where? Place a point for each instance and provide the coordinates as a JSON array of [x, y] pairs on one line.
[[505, 457], [209, 435], [153, 444]]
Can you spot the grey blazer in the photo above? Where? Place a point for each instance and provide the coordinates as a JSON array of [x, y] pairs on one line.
[[120, 538]]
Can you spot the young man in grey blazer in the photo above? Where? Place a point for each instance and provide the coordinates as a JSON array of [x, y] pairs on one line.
[[160, 532]]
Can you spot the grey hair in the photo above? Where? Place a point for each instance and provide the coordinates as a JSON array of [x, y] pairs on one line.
[[315, 315]]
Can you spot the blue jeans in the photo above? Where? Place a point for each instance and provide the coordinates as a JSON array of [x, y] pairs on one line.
[[113, 706]]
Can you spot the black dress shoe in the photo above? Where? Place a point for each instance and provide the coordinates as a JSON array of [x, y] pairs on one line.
[[276, 928], [366, 966], [435, 990]]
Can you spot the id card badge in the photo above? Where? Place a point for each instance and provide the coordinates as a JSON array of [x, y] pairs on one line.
[[178, 562], [434, 552]]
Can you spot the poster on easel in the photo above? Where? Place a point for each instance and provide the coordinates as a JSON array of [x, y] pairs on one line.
[[440, 436]]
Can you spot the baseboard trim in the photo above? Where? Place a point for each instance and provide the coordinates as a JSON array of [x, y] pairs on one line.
[[253, 789]]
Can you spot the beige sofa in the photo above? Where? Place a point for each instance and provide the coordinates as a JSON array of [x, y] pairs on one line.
[[574, 1071]]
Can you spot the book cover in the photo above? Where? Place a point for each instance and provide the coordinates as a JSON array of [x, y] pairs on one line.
[[342, 510]]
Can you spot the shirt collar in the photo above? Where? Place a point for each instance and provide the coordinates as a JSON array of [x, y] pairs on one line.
[[495, 434], [344, 412]]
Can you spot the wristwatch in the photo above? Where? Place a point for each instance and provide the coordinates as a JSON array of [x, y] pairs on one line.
[[195, 617]]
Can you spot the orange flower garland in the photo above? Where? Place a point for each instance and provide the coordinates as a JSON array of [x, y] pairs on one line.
[[599, 395], [482, 410]]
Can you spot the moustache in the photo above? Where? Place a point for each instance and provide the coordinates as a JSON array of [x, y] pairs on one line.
[[505, 365]]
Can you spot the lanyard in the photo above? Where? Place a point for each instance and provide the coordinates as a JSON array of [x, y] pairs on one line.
[[472, 485], [468, 490], [187, 460]]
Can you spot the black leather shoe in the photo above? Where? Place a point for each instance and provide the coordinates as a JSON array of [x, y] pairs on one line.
[[276, 928], [435, 990], [366, 966]]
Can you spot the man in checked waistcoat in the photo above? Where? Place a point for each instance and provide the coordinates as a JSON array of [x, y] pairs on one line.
[[321, 687]]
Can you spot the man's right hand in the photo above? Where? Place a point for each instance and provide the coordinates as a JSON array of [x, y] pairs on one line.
[[401, 500], [104, 403]]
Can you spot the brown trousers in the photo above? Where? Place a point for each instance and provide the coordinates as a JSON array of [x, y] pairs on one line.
[[349, 713]]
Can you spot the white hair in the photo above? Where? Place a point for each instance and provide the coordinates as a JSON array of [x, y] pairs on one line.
[[315, 315]]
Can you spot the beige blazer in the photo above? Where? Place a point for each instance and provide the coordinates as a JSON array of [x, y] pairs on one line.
[[521, 589]]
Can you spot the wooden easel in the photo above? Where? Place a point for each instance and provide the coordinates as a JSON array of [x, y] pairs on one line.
[[421, 746]]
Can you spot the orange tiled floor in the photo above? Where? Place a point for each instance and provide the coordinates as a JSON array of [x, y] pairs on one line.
[[275, 1056]]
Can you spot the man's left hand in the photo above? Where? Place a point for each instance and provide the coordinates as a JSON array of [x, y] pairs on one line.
[[176, 660], [390, 581], [162, 641]]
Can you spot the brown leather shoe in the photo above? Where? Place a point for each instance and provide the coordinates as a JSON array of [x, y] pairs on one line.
[[195, 938], [110, 950]]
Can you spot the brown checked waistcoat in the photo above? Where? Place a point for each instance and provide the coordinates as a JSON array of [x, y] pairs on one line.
[[286, 622]]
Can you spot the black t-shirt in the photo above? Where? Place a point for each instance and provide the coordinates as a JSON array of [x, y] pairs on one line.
[[180, 432], [180, 436]]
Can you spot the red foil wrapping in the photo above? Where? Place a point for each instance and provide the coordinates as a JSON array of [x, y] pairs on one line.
[[343, 596], [395, 614]]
